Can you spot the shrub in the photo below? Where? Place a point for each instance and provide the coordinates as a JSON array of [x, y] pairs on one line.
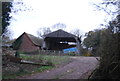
[[87, 54]]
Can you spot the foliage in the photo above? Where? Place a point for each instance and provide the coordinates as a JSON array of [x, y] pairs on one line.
[[92, 40], [106, 44], [87, 54], [6, 9], [83, 50], [6, 38], [109, 50]]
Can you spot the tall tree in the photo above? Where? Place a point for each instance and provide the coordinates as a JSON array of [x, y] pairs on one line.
[[110, 46], [6, 9], [109, 51], [92, 40]]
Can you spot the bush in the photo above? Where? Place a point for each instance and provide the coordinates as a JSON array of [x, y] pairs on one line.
[[72, 54], [87, 54]]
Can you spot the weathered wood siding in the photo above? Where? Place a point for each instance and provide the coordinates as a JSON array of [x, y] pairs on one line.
[[27, 45]]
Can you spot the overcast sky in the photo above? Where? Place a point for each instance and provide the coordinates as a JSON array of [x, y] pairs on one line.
[[45, 13]]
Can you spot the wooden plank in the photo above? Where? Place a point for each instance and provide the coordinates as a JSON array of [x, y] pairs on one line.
[[33, 63]]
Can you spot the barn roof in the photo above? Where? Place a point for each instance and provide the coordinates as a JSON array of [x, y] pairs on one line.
[[60, 33], [35, 40]]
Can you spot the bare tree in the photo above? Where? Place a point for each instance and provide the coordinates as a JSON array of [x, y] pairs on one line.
[[107, 6], [6, 36], [43, 31], [76, 32], [59, 26]]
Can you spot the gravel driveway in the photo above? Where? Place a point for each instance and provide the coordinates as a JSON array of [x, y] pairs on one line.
[[74, 70]]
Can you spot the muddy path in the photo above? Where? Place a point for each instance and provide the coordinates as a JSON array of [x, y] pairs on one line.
[[74, 70]]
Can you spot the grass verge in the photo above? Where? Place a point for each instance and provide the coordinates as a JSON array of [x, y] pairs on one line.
[[39, 69], [55, 60], [31, 69]]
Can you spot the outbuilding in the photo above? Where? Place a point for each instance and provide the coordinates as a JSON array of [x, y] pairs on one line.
[[27, 43], [59, 40]]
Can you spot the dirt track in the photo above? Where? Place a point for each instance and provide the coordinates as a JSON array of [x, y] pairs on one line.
[[74, 70]]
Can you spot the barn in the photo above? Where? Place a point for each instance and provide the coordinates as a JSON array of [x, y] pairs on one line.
[[59, 40], [27, 43]]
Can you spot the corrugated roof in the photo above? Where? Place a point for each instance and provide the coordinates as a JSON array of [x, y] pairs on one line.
[[60, 33]]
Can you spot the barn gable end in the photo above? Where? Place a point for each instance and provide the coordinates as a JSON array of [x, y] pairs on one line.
[[27, 43]]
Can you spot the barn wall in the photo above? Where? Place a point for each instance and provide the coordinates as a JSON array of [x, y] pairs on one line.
[[27, 45], [55, 45]]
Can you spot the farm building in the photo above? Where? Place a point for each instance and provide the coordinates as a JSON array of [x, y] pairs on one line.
[[59, 40], [27, 43]]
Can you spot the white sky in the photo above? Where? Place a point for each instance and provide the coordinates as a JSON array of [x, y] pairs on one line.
[[74, 13]]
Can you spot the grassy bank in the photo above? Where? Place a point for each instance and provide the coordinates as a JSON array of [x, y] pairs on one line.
[[55, 60], [37, 69], [15, 69]]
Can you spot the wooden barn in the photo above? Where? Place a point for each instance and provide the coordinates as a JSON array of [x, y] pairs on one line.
[[27, 43], [59, 40]]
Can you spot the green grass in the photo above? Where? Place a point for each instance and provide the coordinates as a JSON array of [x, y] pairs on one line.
[[46, 58], [13, 76], [39, 69], [30, 57], [55, 60], [43, 68]]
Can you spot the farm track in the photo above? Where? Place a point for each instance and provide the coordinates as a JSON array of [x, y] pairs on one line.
[[74, 70]]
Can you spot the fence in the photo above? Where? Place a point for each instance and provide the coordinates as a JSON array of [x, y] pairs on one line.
[[51, 52], [58, 53]]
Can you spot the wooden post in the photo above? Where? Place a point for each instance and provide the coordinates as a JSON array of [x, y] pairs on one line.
[[17, 54]]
